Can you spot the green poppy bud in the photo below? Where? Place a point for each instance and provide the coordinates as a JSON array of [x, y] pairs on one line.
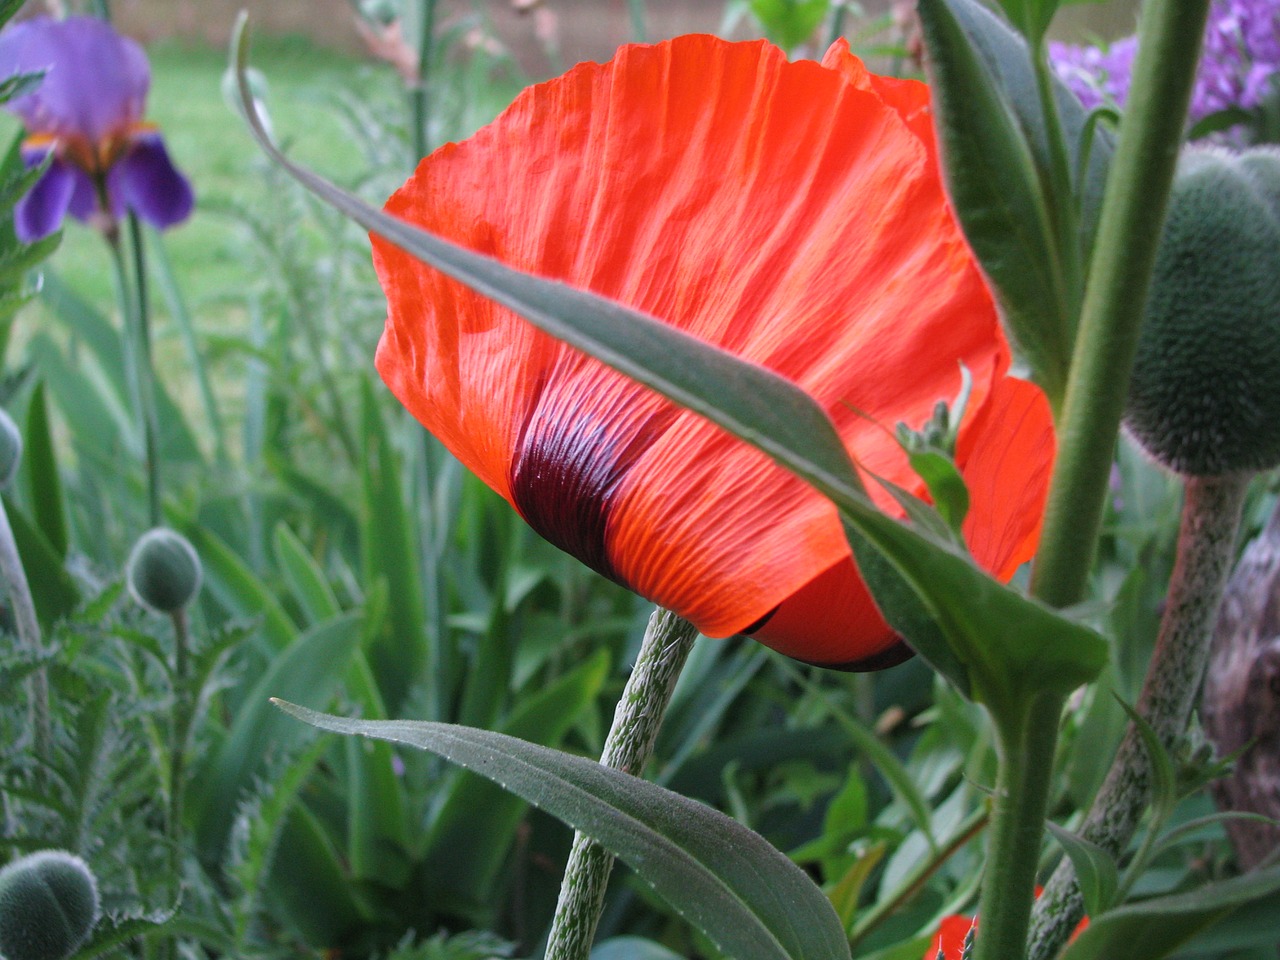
[[10, 449], [1205, 395], [163, 570], [48, 906]]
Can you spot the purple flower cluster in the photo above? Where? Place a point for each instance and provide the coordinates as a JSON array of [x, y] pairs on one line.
[[1241, 56]]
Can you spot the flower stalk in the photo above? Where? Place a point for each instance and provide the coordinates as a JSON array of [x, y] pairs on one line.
[[131, 287], [628, 747], [1026, 747], [1119, 275], [1206, 549]]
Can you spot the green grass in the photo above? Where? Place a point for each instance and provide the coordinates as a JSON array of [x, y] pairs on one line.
[[212, 146]]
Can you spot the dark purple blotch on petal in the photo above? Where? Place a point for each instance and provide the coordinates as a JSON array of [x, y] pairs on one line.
[[567, 472], [146, 182], [42, 210], [96, 81]]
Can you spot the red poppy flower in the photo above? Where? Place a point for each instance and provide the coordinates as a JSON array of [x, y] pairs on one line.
[[791, 213], [952, 932]]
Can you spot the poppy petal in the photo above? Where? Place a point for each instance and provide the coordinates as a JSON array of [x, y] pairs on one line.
[[146, 181], [42, 210], [813, 239]]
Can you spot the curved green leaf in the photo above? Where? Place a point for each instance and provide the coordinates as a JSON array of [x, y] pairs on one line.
[[993, 643], [1155, 928], [742, 893]]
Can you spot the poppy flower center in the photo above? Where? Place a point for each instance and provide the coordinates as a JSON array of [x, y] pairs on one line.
[[569, 469]]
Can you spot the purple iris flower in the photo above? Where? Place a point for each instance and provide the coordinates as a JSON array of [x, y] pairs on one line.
[[87, 115]]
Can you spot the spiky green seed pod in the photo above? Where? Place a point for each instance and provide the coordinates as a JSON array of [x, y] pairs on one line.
[[48, 906], [163, 571], [1205, 395], [10, 449]]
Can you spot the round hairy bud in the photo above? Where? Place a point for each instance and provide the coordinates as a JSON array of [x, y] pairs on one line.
[[48, 906], [10, 448], [163, 570], [1205, 395]]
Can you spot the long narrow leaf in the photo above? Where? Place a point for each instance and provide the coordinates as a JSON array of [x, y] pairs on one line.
[[992, 642], [745, 895]]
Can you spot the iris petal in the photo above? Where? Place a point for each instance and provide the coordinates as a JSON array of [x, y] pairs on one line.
[[146, 181], [42, 210], [789, 212], [96, 83]]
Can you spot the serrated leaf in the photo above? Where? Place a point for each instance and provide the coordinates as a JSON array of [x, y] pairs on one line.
[[1096, 870], [1155, 928], [112, 932], [994, 644], [742, 893], [311, 668]]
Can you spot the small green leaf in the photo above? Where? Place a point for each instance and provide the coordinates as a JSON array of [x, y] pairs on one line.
[[1096, 870], [752, 901], [946, 485], [44, 483], [1164, 777], [1155, 928], [790, 23], [53, 590]]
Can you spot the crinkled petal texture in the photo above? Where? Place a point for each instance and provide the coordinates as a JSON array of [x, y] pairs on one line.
[[97, 80], [791, 213]]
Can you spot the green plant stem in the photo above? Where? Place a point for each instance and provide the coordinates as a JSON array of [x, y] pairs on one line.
[[132, 290], [1025, 747], [667, 642], [1211, 514], [639, 34], [179, 730], [24, 614], [1133, 213], [420, 92]]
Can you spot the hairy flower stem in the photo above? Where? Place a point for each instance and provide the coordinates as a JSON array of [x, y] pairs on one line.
[[24, 613], [1206, 548], [1119, 275], [132, 290], [179, 733], [667, 642], [1026, 746]]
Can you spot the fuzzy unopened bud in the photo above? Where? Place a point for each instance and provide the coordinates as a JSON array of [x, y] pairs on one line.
[[163, 571], [1204, 399], [48, 906]]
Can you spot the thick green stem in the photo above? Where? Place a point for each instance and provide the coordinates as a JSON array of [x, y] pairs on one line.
[[1026, 747], [179, 733], [1119, 275], [24, 615], [1206, 549], [667, 642]]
